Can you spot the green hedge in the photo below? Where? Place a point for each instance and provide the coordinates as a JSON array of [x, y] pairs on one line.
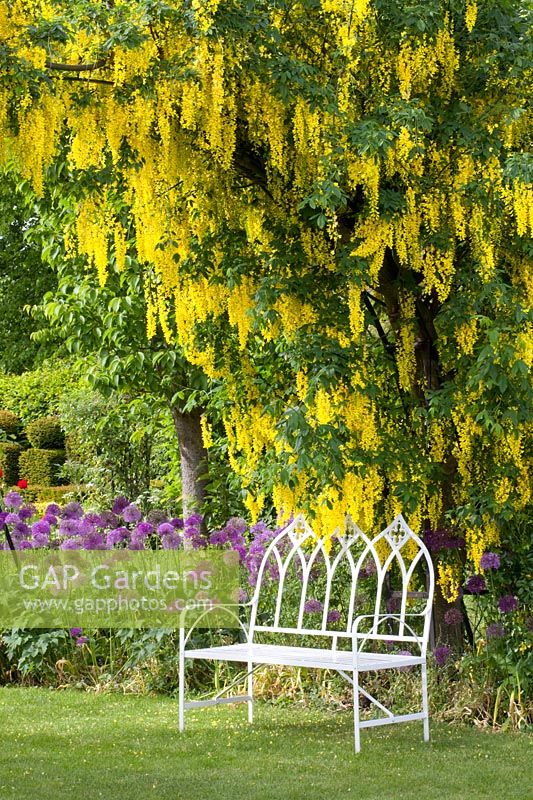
[[45, 433], [9, 422], [38, 393], [9, 462], [41, 467]]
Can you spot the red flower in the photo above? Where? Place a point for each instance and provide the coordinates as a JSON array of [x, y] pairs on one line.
[[22, 484], [1, 473]]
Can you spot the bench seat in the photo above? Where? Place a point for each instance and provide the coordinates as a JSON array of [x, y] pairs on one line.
[[303, 657]]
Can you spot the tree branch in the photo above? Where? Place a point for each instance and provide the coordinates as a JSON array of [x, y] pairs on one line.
[[76, 67]]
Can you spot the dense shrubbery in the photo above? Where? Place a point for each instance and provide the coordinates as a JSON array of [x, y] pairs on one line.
[[9, 462], [42, 467], [9, 423], [45, 433]]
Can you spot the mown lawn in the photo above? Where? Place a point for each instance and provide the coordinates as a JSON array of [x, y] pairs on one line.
[[80, 746]]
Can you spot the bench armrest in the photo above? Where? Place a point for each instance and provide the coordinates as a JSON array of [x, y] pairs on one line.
[[359, 638], [226, 606]]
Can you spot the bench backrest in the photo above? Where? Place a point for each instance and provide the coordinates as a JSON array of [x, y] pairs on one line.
[[299, 571]]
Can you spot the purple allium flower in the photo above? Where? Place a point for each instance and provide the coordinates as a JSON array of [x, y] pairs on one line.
[[109, 520], [408, 667], [441, 654], [94, 518], [21, 529], [453, 616], [41, 539], [75, 632], [41, 526], [136, 543], [144, 529], [72, 511], [156, 517], [119, 504], [195, 520], [116, 536], [12, 518], [71, 544], [369, 568], [476, 584], [81, 640], [27, 512], [194, 536], [86, 527], [94, 541], [3, 517], [243, 596], [69, 527], [131, 513], [166, 529], [50, 519], [24, 545], [53, 508], [171, 541], [177, 522], [507, 603], [13, 500], [490, 561], [218, 538], [313, 606], [495, 630], [333, 615]]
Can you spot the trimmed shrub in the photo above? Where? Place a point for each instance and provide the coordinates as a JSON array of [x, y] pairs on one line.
[[42, 467], [9, 462], [9, 422], [45, 433]]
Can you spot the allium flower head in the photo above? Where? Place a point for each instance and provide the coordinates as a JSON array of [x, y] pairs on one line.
[[442, 654], [144, 529], [166, 528], [119, 504], [41, 526], [52, 508], [453, 616], [507, 603], [94, 541], [476, 584], [71, 544], [13, 500], [116, 536], [313, 606], [27, 512], [490, 561], [495, 630], [12, 518], [131, 513], [171, 541], [72, 511], [75, 632], [333, 616]]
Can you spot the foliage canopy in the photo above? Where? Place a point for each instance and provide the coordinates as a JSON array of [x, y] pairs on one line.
[[332, 207]]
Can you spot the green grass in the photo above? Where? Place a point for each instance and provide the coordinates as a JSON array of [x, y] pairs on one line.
[[80, 746]]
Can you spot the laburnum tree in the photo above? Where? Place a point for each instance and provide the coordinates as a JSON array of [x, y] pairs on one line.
[[332, 206]]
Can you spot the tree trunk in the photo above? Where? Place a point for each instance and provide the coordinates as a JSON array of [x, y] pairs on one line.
[[429, 376], [193, 459]]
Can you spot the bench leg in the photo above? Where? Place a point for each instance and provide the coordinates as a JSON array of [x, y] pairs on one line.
[[425, 705], [181, 690], [250, 692], [357, 734]]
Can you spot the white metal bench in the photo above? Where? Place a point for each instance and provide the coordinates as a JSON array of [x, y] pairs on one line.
[[297, 551]]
